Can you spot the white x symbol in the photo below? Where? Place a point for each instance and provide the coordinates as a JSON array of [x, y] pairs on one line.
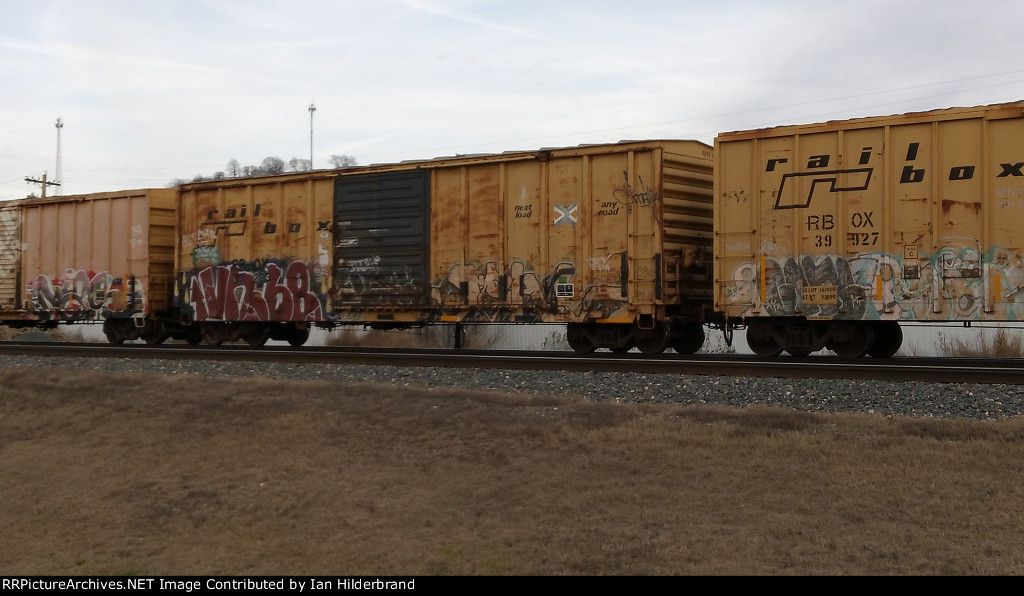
[[565, 213]]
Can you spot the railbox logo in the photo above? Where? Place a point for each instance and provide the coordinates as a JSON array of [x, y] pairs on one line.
[[842, 180], [855, 179]]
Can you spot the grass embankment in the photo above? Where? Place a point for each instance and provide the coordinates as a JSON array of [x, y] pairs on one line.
[[153, 475]]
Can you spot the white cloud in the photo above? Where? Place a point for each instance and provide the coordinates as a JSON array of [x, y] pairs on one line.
[[152, 91]]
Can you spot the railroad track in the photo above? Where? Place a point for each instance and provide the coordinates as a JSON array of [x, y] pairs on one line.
[[940, 370]]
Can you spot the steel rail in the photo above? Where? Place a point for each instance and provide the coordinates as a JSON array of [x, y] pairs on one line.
[[938, 370]]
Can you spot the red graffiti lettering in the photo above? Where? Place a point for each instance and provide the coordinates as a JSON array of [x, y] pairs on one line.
[[233, 293]]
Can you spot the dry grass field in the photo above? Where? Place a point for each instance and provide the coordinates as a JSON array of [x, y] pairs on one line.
[[160, 475]]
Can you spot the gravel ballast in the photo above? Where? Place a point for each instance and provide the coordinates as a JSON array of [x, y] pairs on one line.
[[945, 400]]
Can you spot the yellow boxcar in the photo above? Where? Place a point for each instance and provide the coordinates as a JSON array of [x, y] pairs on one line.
[[829, 235], [613, 240], [254, 257]]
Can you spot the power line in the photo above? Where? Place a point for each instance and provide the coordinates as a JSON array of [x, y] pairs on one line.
[[44, 183]]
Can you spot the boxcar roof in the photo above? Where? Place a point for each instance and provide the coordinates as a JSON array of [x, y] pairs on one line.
[[686, 147], [992, 112]]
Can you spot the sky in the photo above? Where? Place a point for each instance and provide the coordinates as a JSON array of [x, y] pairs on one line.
[[155, 91]]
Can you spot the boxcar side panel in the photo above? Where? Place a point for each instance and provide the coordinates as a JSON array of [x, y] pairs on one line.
[[449, 223], [525, 227], [1004, 255], [86, 257], [485, 251], [914, 217], [567, 242], [911, 196], [570, 235], [645, 251], [608, 265], [255, 249]]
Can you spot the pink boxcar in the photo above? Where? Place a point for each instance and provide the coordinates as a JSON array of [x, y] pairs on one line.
[[104, 257]]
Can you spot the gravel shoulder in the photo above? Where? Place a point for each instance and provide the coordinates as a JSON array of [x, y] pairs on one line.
[[944, 400]]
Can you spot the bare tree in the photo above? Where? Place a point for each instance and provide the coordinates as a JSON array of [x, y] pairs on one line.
[[272, 165], [269, 166], [299, 165], [342, 161]]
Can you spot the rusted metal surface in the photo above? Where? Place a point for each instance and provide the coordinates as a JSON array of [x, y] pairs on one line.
[[604, 232], [97, 256], [256, 249], [916, 217]]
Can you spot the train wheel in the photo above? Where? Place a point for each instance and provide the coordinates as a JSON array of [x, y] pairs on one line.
[[577, 339], [654, 340], [193, 336], [761, 341], [688, 338], [258, 337], [113, 332], [212, 334], [155, 340], [856, 339], [581, 345], [887, 341], [154, 334], [622, 349], [297, 337]]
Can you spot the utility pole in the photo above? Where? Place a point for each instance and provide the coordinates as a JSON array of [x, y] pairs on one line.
[[43, 182], [60, 172], [312, 108]]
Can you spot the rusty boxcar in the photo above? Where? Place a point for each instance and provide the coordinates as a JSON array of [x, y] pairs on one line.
[[98, 258], [612, 240], [829, 235], [253, 257]]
